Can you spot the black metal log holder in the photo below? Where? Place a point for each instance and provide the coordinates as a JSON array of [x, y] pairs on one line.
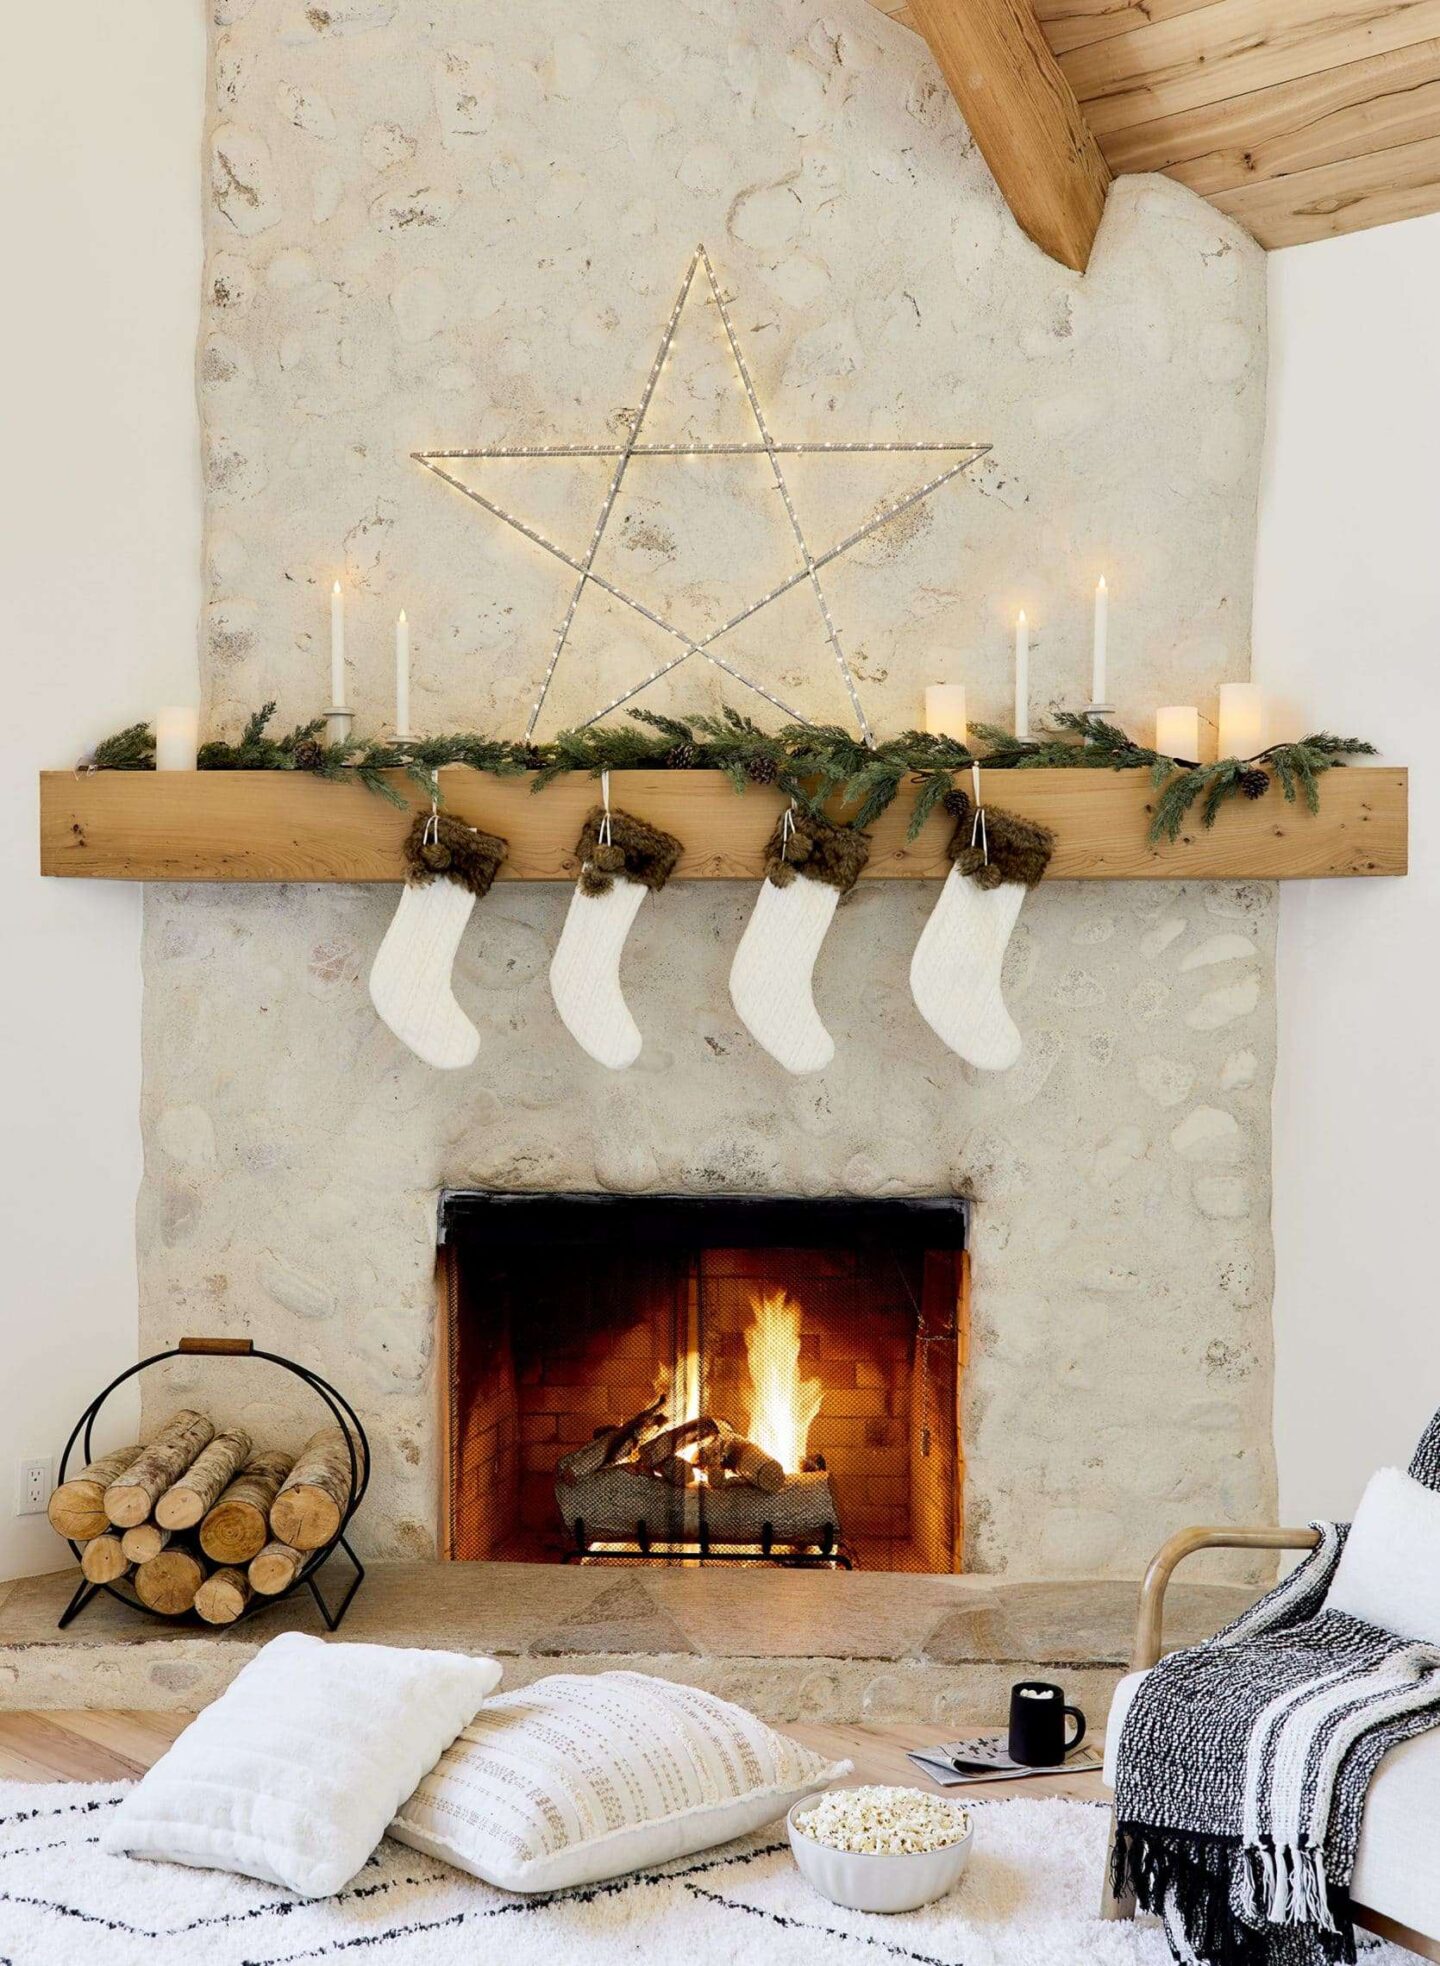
[[356, 1442]]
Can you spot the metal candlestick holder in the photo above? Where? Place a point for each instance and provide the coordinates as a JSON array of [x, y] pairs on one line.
[[337, 724], [1098, 713]]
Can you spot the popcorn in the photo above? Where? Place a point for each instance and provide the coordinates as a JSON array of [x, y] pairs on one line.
[[884, 1822]]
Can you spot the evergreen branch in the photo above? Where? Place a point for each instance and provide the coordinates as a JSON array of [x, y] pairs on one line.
[[814, 765]]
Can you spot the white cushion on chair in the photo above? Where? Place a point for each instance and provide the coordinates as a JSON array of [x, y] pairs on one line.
[[1396, 1871], [1389, 1569]]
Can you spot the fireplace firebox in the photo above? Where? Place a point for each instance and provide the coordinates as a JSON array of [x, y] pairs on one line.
[[685, 1379]]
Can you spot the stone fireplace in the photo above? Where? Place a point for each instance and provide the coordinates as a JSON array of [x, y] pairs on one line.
[[485, 253], [703, 1379]]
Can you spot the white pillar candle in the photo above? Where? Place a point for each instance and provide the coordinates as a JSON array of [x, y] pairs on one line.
[[402, 675], [1102, 637], [1242, 720], [1022, 675], [1177, 732], [177, 737], [945, 711], [337, 648]]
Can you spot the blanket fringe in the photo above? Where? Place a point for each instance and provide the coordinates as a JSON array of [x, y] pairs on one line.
[[1203, 1882]]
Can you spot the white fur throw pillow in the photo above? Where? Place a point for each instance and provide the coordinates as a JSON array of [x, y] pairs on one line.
[[1389, 1569], [293, 1773], [580, 1778]]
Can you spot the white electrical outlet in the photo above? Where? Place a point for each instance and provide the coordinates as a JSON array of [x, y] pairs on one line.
[[33, 1489]]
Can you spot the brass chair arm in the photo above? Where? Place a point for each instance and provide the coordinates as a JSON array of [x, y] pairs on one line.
[[1184, 1543]]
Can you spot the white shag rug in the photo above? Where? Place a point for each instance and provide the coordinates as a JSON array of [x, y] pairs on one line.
[[1027, 1899]]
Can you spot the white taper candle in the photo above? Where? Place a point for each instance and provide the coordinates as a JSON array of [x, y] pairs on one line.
[[1022, 675], [337, 648], [1102, 636], [402, 675]]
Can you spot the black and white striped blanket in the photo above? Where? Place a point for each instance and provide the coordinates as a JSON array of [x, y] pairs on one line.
[[1244, 1763]]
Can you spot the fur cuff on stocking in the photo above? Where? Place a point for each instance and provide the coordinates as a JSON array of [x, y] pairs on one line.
[[819, 850], [642, 853], [1013, 849], [438, 847]]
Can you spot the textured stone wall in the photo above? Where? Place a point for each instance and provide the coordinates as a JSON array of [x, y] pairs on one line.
[[466, 225]]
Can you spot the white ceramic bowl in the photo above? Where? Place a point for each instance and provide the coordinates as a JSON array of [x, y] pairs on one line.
[[863, 1882]]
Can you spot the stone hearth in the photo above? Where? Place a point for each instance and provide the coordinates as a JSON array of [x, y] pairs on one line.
[[834, 1647]]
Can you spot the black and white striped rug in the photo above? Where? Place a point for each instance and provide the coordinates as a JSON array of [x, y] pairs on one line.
[[1027, 1899]]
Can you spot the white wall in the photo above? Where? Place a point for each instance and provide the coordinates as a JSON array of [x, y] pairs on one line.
[[100, 125], [1347, 628]]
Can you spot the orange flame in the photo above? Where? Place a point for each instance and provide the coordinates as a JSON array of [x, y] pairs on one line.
[[782, 1404]]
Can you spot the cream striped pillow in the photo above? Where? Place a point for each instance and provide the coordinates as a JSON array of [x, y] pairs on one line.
[[582, 1777]]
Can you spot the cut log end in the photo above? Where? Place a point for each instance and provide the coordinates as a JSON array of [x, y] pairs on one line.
[[147, 1539], [129, 1501], [223, 1596], [77, 1507], [168, 1582], [201, 1486], [238, 1526], [275, 1569], [103, 1560], [310, 1507]]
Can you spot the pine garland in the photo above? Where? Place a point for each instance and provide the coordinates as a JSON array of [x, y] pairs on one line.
[[811, 764]]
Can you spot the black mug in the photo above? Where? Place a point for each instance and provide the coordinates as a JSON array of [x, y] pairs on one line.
[[1037, 1724]]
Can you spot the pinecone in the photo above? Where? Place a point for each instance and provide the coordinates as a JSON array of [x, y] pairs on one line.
[[761, 770], [681, 757], [309, 755], [1254, 783]]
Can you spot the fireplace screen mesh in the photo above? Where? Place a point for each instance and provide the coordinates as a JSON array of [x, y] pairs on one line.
[[619, 1396]]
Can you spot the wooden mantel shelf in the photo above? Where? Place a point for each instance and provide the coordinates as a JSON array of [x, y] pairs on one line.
[[283, 826]]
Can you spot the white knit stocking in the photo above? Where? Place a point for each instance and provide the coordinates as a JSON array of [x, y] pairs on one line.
[[585, 973], [770, 978], [410, 978], [955, 971]]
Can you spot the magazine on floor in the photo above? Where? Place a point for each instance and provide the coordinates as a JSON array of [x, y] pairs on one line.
[[986, 1758]]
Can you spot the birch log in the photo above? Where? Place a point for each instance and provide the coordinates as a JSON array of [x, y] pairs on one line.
[[144, 1541], [168, 1582], [131, 1498], [275, 1569], [103, 1559], [238, 1526], [310, 1507], [77, 1508], [223, 1596], [205, 1481]]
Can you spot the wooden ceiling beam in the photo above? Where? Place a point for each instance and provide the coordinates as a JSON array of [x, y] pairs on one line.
[[1024, 118]]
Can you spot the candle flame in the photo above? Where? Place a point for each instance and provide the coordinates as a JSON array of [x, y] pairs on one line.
[[1100, 585], [336, 588], [402, 614], [1020, 619]]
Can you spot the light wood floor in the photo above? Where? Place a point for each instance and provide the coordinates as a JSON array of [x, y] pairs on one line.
[[105, 1746]]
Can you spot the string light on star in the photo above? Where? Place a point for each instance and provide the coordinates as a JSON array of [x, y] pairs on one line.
[[811, 564]]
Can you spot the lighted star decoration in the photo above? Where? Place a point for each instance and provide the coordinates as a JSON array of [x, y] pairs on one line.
[[811, 565]]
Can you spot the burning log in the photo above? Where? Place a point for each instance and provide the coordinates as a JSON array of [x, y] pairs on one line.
[[669, 1441], [613, 1444]]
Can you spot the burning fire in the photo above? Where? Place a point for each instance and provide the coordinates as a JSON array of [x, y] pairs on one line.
[[782, 1404]]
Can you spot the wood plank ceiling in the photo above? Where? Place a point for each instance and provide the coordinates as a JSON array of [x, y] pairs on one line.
[[1301, 118]]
